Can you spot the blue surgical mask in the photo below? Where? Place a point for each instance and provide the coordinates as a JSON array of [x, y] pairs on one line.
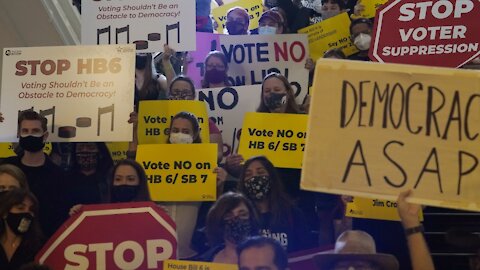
[[267, 30]]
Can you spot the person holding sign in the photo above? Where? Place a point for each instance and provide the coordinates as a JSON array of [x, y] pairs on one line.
[[280, 219], [147, 85], [216, 68]]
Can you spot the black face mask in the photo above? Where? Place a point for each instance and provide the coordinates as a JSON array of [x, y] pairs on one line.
[[235, 28], [19, 223], [275, 101], [31, 143], [237, 229], [215, 76], [258, 187], [124, 193], [140, 61], [87, 160]]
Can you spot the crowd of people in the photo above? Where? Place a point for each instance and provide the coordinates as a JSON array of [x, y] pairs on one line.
[[260, 215]]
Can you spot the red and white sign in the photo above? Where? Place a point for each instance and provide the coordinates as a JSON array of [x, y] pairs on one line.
[[432, 33], [113, 236]]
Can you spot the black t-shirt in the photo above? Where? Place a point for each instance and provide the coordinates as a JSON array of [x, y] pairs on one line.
[[22, 255], [86, 189]]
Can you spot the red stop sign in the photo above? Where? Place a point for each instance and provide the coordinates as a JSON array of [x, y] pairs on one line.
[[112, 236], [434, 33]]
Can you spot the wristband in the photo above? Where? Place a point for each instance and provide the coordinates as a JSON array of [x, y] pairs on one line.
[[414, 230]]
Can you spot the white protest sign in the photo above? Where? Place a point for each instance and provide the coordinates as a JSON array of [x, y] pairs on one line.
[[85, 92], [148, 23]]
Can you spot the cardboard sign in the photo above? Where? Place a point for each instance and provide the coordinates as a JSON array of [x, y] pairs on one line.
[[370, 7], [85, 92], [253, 7], [374, 209], [175, 265], [377, 129], [431, 33], [154, 118], [329, 34], [118, 150], [6, 149], [180, 172], [146, 23], [101, 237], [278, 136]]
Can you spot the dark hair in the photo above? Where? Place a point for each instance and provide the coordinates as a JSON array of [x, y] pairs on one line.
[[283, 16], [32, 115], [32, 239], [150, 89], [193, 120], [279, 203], [280, 258], [142, 193], [335, 53], [16, 173], [292, 106], [359, 21], [215, 218], [342, 4], [245, 15], [222, 57], [183, 79]]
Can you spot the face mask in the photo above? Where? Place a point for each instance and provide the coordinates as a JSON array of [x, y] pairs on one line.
[[267, 30], [87, 160], [258, 187], [180, 138], [235, 28], [31, 143], [140, 62], [237, 229], [19, 223], [275, 101], [326, 14], [215, 76], [362, 42], [124, 193]]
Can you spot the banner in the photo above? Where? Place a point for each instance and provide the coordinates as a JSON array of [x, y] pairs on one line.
[[278, 136], [374, 209], [251, 57], [176, 264], [148, 24], [180, 172], [85, 92], [227, 107], [118, 150], [329, 34], [154, 118], [378, 129], [253, 7]]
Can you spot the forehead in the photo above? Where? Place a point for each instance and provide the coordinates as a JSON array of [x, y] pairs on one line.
[[255, 165], [360, 27], [8, 180], [239, 208], [214, 59], [237, 13], [256, 257], [86, 146], [268, 20], [125, 170], [182, 122], [181, 85], [272, 82], [31, 124]]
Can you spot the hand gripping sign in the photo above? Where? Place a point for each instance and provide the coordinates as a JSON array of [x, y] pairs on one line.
[[433, 33], [112, 236]]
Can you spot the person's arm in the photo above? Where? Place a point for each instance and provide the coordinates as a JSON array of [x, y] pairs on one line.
[[132, 146], [167, 65], [417, 246]]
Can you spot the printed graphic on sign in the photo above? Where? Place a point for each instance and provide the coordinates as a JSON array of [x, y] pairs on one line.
[[431, 33], [378, 129], [180, 172], [175, 265], [112, 244], [146, 23], [330, 34], [253, 7], [374, 209], [85, 92], [154, 118], [279, 137]]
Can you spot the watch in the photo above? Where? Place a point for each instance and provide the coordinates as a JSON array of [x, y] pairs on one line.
[[414, 230]]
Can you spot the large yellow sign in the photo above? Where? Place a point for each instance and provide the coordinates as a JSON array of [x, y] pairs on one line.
[[180, 172], [191, 265], [279, 137], [253, 7], [377, 129]]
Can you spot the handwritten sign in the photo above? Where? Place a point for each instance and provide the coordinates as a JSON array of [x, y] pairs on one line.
[[176, 264], [85, 92], [253, 7], [394, 127], [374, 209], [117, 150], [371, 7]]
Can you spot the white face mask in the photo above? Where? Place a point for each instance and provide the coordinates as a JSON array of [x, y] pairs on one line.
[[362, 42], [267, 30], [180, 138]]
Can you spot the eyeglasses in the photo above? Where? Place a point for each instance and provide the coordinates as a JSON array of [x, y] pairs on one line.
[[181, 94]]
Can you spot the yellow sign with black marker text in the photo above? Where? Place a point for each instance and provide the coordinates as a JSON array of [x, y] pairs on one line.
[[329, 34], [179, 172], [278, 136], [253, 7], [191, 265], [154, 119], [374, 209], [370, 7], [118, 150], [7, 149]]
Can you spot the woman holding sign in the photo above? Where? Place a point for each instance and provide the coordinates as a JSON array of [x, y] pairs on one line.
[[216, 68]]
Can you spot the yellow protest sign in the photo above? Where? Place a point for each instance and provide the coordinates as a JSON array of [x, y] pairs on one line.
[[370, 7], [329, 34], [377, 129], [154, 119], [253, 7], [6, 149], [374, 209], [191, 265], [278, 136], [179, 172], [118, 150]]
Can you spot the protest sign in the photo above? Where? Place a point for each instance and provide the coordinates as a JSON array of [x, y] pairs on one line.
[[374, 209], [154, 118], [7, 149], [227, 107], [253, 7], [148, 24], [101, 237], [431, 33], [117, 150], [370, 7], [377, 129], [180, 172], [330, 34], [85, 92], [176, 264], [278, 136], [251, 58]]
